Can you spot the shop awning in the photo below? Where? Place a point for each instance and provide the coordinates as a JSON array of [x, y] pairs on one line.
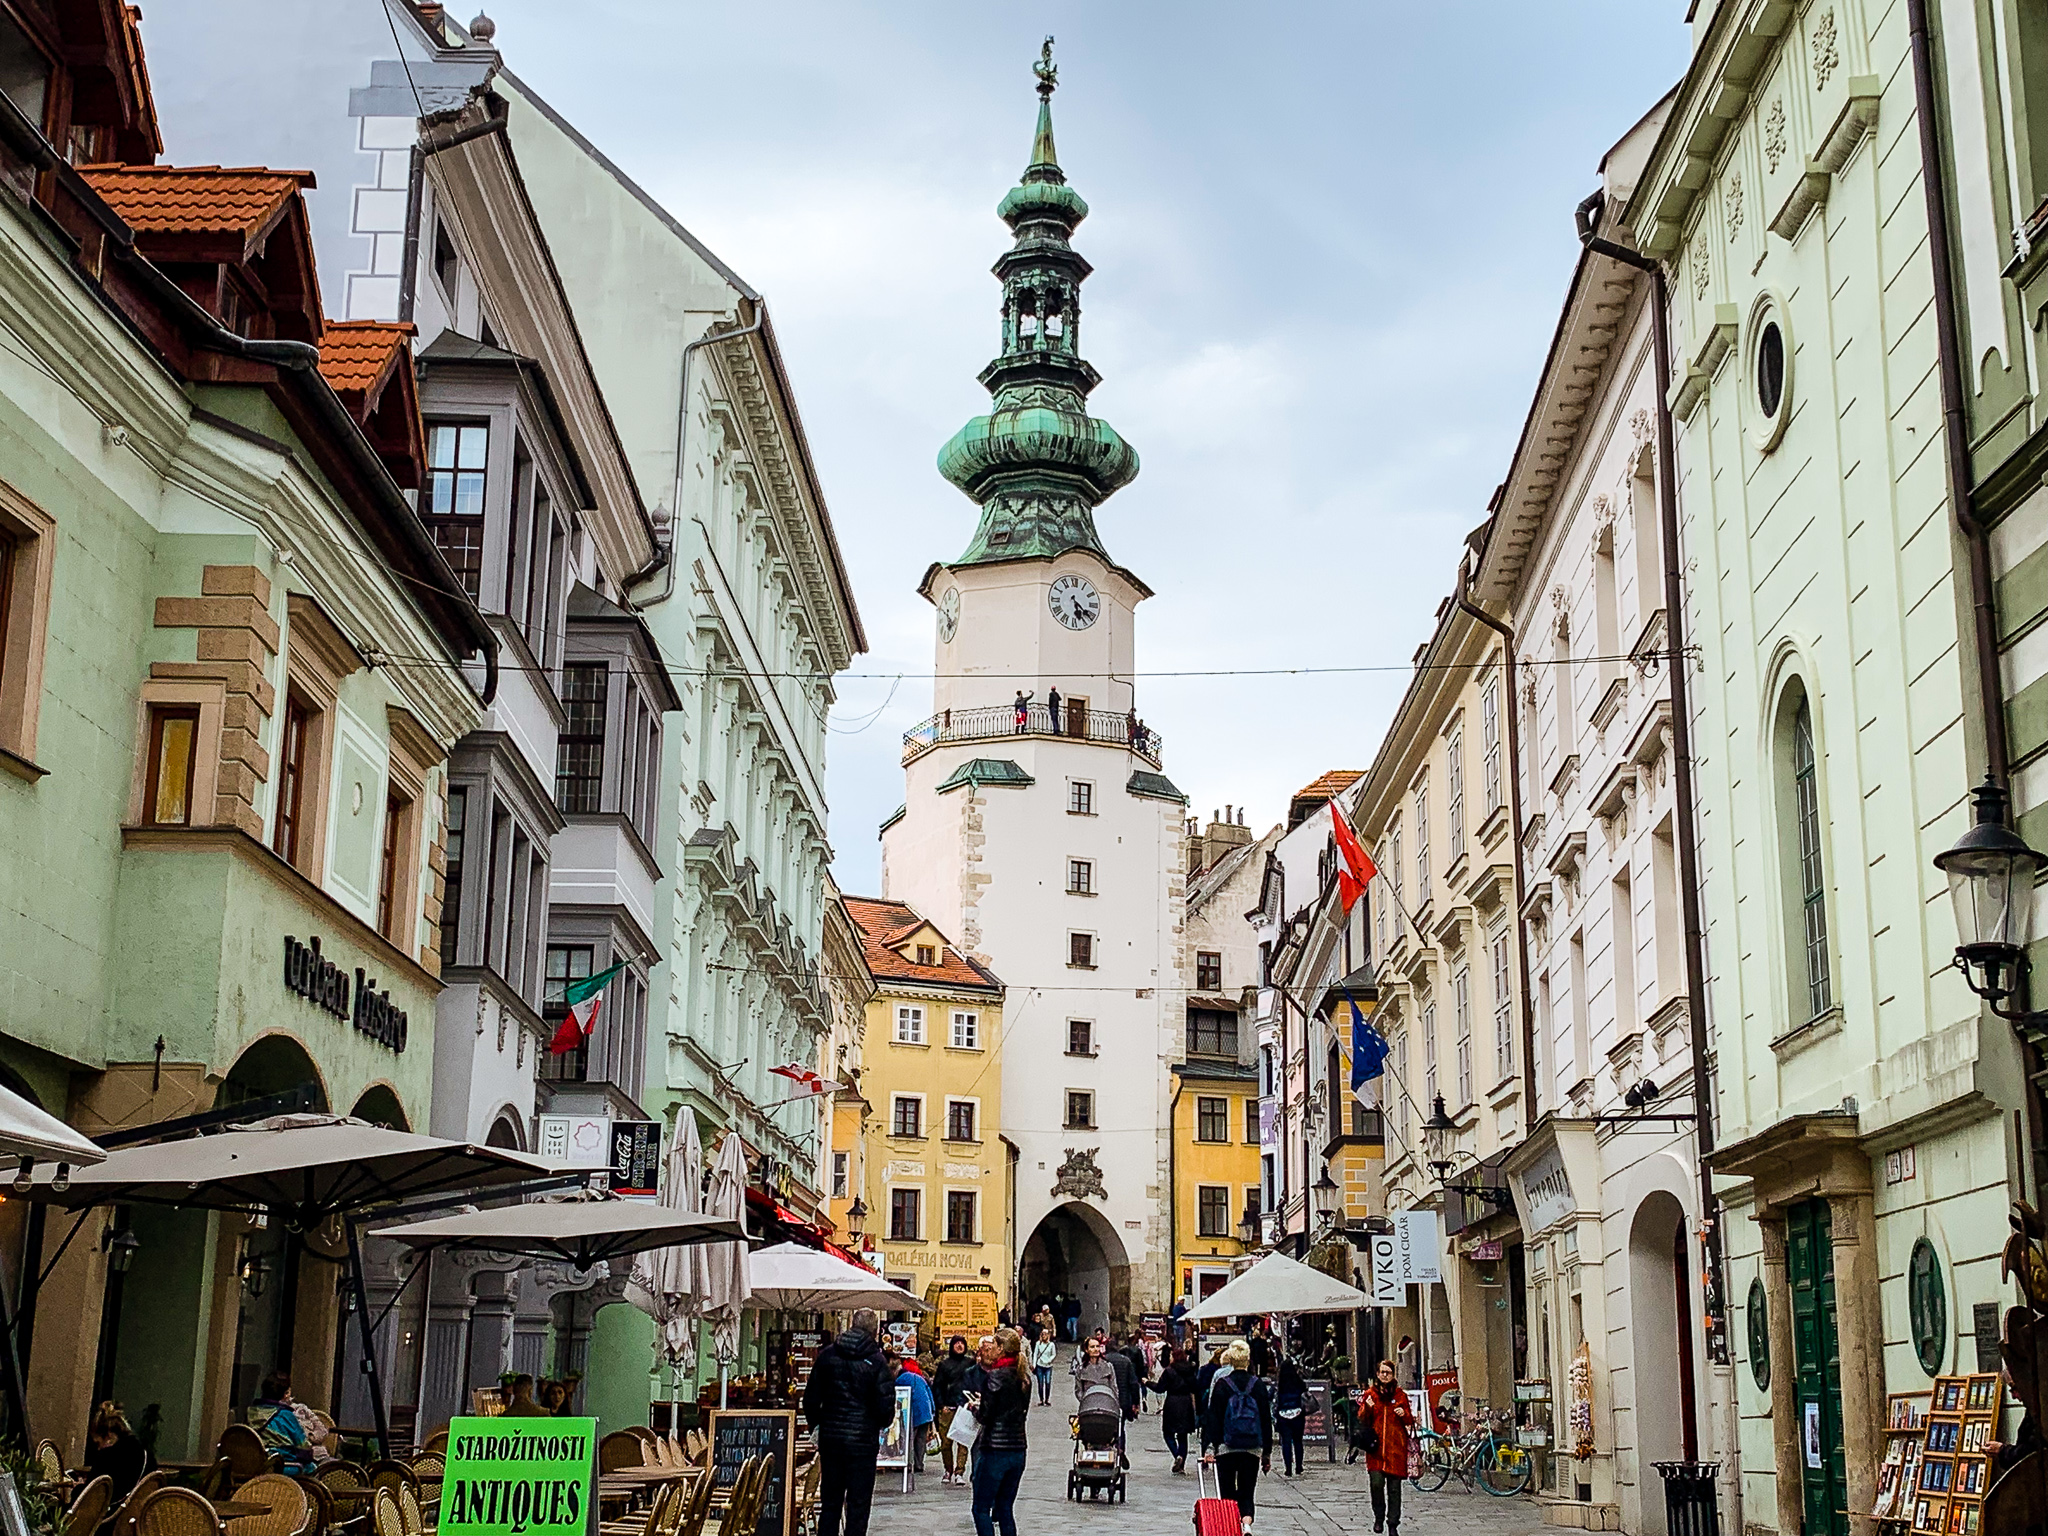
[[579, 1232], [26, 1131], [792, 1278], [1279, 1284]]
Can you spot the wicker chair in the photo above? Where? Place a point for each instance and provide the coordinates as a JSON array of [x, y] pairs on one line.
[[348, 1488], [804, 1512], [291, 1509], [89, 1508], [620, 1448], [430, 1467], [320, 1516], [247, 1455], [176, 1512], [48, 1462], [218, 1480], [646, 1524], [130, 1507], [696, 1508], [394, 1475], [750, 1495], [409, 1510], [385, 1520], [437, 1441]]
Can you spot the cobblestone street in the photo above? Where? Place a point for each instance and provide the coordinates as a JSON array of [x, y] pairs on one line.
[[1326, 1500]]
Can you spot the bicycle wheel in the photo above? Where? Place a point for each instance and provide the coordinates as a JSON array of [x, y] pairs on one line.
[[1504, 1469], [1438, 1462]]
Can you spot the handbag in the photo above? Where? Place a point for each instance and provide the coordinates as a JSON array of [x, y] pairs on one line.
[[965, 1428]]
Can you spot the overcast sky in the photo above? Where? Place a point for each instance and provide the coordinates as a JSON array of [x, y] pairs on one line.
[[1330, 241]]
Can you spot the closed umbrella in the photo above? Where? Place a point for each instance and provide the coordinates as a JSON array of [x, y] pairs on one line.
[[725, 1264], [667, 1283]]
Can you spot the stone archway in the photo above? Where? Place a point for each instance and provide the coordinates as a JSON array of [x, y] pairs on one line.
[[1074, 1250], [275, 1063], [380, 1106], [1660, 1332]]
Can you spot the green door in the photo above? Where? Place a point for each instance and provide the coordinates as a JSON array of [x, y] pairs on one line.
[[1817, 1355]]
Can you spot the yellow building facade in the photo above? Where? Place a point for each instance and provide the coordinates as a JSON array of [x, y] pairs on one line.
[[935, 1176], [1215, 1168]]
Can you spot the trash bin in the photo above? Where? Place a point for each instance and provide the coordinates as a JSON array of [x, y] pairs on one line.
[[1692, 1503]]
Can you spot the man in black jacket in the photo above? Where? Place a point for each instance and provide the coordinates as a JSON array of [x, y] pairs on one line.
[[848, 1402]]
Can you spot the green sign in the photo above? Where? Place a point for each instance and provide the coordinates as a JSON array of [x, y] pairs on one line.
[[519, 1477]]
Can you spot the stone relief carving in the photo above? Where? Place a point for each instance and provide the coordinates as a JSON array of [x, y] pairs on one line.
[[1701, 275], [1827, 49], [1079, 1176], [1731, 198], [1774, 135]]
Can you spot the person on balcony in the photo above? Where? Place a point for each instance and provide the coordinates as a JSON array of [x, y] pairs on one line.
[[1023, 710], [1052, 707]]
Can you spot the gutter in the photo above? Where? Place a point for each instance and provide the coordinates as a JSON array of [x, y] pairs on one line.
[[423, 148], [1513, 712], [1715, 1304]]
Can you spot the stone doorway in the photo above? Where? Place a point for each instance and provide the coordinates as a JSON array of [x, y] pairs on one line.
[[1074, 1251]]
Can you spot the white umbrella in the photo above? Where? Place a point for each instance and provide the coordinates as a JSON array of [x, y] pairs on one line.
[[725, 1264], [667, 1283], [26, 1131], [1279, 1284], [792, 1278], [583, 1233]]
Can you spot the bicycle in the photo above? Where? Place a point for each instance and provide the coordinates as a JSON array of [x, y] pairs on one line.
[[1478, 1455]]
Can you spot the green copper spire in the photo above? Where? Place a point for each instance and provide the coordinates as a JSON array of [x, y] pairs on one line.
[[1038, 463]]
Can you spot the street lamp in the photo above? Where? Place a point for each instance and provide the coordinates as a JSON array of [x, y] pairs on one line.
[[856, 1216], [1249, 1229], [121, 1247], [1327, 1194], [1991, 872], [1439, 1132]]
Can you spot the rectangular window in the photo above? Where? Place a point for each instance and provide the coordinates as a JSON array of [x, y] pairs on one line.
[[397, 838], [1503, 1010], [1429, 1058], [1270, 1177], [173, 760], [1401, 1091], [1461, 992], [906, 1116], [909, 1025], [1211, 1032], [451, 887], [1212, 1119], [1081, 951], [960, 1216], [966, 1031], [1380, 901], [904, 1215], [291, 783], [927, 954], [1400, 870], [1080, 1037], [1422, 848], [1081, 877], [457, 454], [1454, 795], [579, 753], [1080, 798], [1812, 883], [1489, 741], [1212, 1210], [960, 1120], [565, 963], [1080, 1110], [840, 1169], [1208, 971], [1251, 1122]]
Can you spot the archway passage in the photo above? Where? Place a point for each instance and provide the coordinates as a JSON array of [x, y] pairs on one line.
[[1660, 1291], [1073, 1252]]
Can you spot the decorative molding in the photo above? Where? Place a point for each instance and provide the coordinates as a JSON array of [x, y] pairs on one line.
[[1774, 135], [1827, 49], [1856, 118], [1080, 1176], [1731, 201]]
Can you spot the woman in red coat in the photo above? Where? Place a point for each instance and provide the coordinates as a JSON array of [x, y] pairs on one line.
[[1384, 1409]]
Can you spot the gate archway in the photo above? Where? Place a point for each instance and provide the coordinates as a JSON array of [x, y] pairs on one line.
[[1074, 1251]]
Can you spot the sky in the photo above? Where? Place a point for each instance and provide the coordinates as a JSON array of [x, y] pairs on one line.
[[1330, 241]]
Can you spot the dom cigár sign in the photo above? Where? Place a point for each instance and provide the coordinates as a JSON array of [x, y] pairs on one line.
[[326, 985]]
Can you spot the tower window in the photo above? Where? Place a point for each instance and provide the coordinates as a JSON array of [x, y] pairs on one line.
[[1081, 877], [1081, 951], [1208, 970], [1080, 1110], [1080, 1037]]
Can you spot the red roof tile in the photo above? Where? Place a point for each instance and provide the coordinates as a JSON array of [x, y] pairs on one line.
[[355, 354], [196, 199], [884, 924], [1330, 784]]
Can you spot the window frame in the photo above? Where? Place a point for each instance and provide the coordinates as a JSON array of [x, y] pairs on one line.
[[588, 779], [972, 1107], [161, 716], [1080, 797], [1084, 946], [972, 1040], [571, 1066], [467, 564], [908, 1197], [1251, 1122], [1087, 1027], [912, 1014], [897, 1118], [1080, 877], [1212, 1119], [972, 1201], [1202, 1043], [1490, 742], [841, 1175], [1208, 970], [1086, 1098], [1212, 1201], [27, 575], [1809, 866]]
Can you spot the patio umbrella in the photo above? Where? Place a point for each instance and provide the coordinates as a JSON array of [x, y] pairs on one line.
[[725, 1264], [584, 1233], [1279, 1284], [792, 1278], [666, 1284], [26, 1131]]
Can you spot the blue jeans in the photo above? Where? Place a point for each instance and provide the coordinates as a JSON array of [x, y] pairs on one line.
[[1044, 1375], [996, 1476], [1177, 1442]]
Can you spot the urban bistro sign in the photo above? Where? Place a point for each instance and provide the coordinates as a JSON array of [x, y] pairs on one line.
[[321, 982]]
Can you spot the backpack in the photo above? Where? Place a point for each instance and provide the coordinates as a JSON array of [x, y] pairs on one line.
[[1242, 1428]]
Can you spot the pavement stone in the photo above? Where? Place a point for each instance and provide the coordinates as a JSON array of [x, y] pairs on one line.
[[1326, 1500]]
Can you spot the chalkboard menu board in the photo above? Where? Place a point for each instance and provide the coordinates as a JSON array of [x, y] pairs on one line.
[[1315, 1414], [738, 1435]]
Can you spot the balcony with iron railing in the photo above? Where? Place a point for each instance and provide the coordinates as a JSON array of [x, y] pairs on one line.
[[999, 722]]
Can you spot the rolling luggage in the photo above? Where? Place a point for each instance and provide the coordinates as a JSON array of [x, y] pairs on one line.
[[1214, 1517]]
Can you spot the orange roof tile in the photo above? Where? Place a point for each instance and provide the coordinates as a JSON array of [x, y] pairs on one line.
[[1330, 784], [884, 924], [354, 354], [196, 199]]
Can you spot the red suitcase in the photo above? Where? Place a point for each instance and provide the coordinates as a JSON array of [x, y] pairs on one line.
[[1214, 1517]]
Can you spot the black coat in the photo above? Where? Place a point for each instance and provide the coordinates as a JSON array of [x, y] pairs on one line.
[[1217, 1407], [948, 1376], [1005, 1409], [1179, 1384], [850, 1398], [1126, 1381]]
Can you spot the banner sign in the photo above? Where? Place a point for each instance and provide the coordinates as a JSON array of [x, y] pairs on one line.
[[895, 1450], [525, 1477], [1388, 1288], [636, 1158], [1437, 1386], [1421, 1255]]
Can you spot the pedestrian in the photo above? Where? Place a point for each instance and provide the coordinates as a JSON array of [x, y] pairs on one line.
[[923, 1406], [1047, 1328], [1102, 1383], [1174, 1314], [1406, 1362], [1004, 1407], [1208, 1373], [1052, 707], [1141, 1369], [1290, 1415], [1177, 1416], [1261, 1343], [1023, 710], [1385, 1419], [1131, 727], [112, 1451], [1237, 1428], [848, 1401], [1072, 1318], [948, 1382], [1043, 1354]]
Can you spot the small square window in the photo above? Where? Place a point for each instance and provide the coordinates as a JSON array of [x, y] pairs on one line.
[[960, 1215], [1080, 1037], [1081, 950], [1251, 1122], [927, 954], [1080, 1110], [960, 1120], [904, 1214], [1081, 877], [906, 1116], [966, 1031], [1208, 971], [1080, 798], [1212, 1119], [909, 1025]]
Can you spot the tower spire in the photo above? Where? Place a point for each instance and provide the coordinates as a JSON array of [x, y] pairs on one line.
[[1038, 464]]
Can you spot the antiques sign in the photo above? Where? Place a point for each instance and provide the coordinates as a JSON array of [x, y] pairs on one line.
[[531, 1476], [311, 975]]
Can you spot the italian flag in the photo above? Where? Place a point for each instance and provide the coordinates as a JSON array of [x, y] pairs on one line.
[[584, 999]]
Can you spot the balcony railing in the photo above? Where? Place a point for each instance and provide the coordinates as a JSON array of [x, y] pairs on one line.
[[999, 722]]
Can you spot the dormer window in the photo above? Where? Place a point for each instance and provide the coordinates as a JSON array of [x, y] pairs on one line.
[[927, 954], [24, 71]]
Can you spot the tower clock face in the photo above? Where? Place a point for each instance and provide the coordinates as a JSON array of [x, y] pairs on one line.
[[949, 614], [1074, 602]]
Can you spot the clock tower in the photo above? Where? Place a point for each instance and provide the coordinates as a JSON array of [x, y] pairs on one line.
[[1044, 833]]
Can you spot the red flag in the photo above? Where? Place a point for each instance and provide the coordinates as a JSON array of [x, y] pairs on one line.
[[1355, 867]]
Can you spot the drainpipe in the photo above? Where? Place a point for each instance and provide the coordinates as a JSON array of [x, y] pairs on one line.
[[424, 147], [665, 558], [1513, 713]]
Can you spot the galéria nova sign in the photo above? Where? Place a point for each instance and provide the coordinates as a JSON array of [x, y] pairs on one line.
[[321, 982]]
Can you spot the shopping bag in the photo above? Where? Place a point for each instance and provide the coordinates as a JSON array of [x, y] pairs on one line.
[[965, 1428]]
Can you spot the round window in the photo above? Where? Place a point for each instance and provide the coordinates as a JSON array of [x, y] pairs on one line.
[[1759, 1337], [1927, 1307], [1770, 360], [1770, 368]]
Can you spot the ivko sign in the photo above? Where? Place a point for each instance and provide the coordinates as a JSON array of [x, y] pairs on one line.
[[321, 982]]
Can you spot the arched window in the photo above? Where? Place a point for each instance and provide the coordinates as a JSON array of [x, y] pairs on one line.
[[1809, 872]]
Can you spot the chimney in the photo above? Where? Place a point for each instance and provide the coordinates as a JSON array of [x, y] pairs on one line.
[[1225, 832]]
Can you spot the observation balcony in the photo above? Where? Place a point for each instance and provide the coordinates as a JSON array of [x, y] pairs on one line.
[[998, 722]]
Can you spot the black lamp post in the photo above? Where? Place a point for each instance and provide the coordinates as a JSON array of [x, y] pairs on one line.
[[1439, 1134], [1991, 873], [856, 1216], [1248, 1230], [121, 1247], [1328, 1196]]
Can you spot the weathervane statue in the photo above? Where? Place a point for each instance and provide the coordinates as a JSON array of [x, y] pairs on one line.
[[1048, 72]]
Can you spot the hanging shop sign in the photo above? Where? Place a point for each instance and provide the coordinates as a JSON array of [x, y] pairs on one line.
[[576, 1141], [1547, 1191], [1420, 1253], [636, 1158], [1486, 1250], [1389, 1289], [311, 975], [532, 1476]]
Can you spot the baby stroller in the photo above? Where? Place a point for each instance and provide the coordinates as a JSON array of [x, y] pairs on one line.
[[1098, 1459]]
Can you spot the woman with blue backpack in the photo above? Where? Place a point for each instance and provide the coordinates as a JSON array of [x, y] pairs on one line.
[[1237, 1428]]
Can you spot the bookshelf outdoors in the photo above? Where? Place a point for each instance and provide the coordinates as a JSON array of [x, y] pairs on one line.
[[1936, 1471]]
